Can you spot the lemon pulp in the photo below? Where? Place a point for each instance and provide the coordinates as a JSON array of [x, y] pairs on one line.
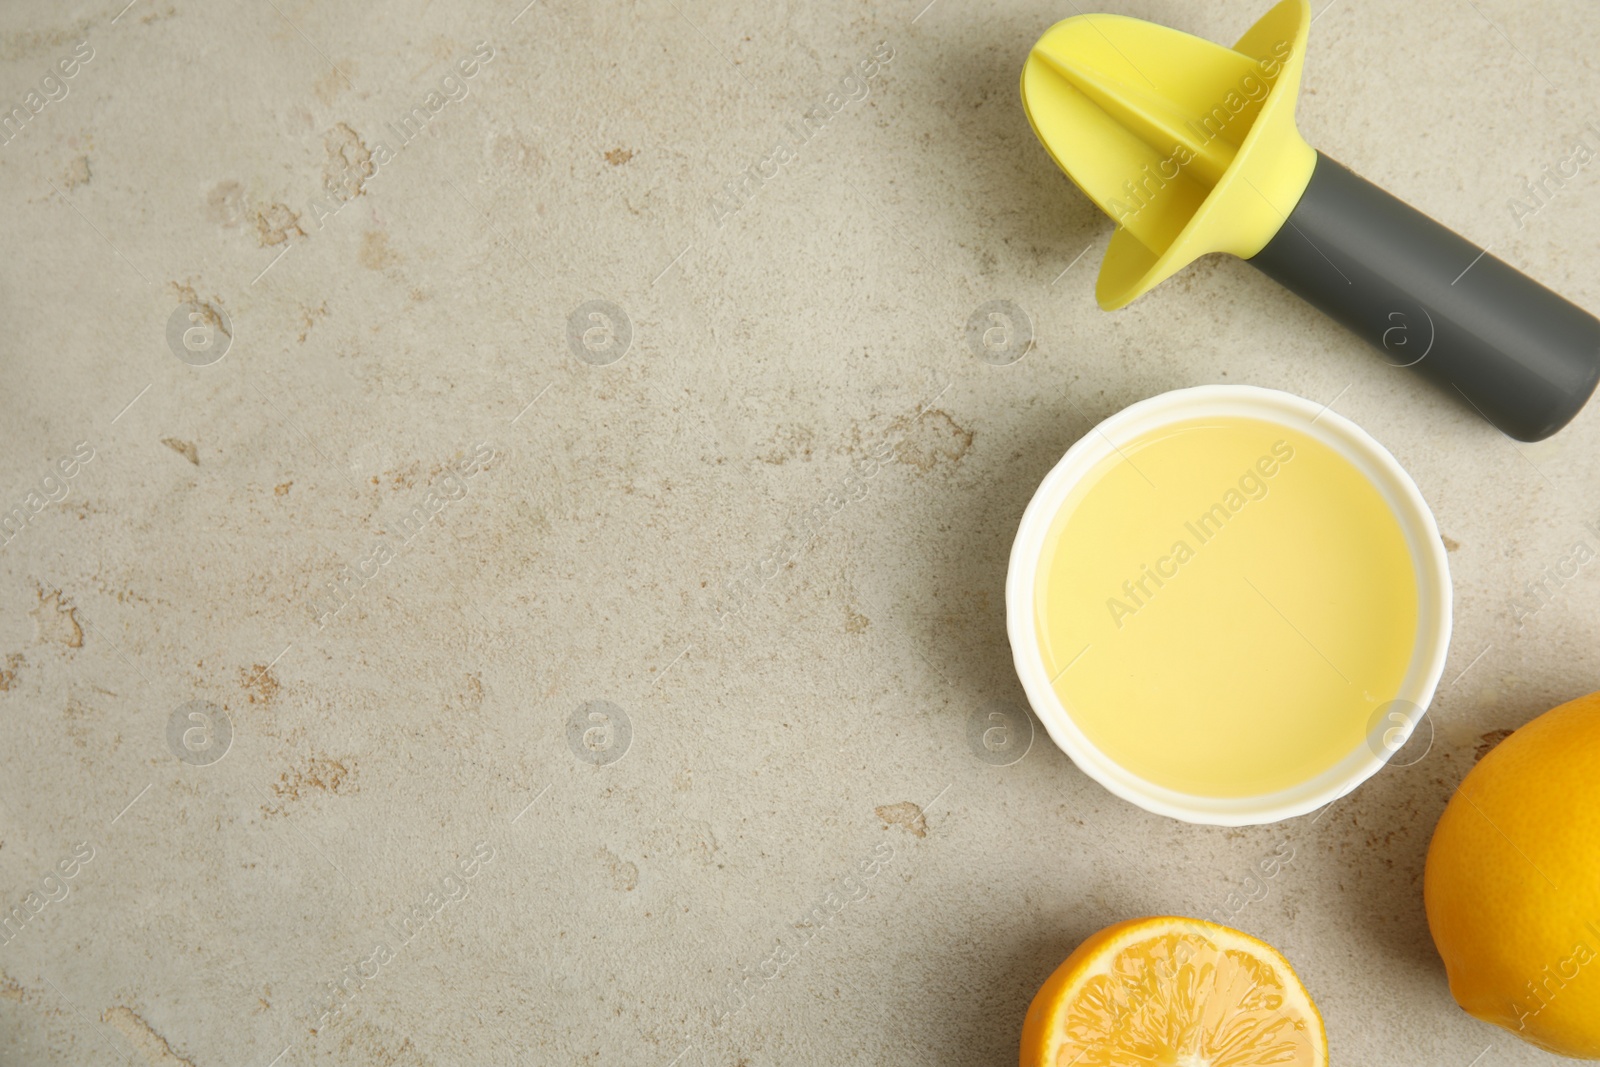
[[1173, 992], [1224, 604]]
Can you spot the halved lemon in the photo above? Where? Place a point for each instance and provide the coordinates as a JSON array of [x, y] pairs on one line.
[[1172, 992]]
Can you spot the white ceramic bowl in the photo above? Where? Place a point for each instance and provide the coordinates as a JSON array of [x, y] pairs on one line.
[[1304, 417]]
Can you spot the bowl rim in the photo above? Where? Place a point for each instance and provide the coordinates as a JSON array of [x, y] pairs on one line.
[[1434, 595]]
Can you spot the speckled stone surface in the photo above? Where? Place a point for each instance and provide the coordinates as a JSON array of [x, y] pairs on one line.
[[596, 404]]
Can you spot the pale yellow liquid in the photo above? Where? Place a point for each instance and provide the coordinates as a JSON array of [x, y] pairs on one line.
[[1248, 653]]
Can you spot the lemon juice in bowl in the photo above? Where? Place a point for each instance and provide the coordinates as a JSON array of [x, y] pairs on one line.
[[1219, 599]]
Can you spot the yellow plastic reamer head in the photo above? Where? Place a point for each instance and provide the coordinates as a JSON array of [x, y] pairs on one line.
[[1189, 146]]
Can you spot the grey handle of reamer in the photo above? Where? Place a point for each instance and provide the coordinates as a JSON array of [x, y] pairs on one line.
[[1431, 300]]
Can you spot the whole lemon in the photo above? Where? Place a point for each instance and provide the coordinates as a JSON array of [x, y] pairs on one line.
[[1513, 883]]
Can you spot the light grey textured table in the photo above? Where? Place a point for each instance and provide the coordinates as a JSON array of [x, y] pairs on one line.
[[741, 510]]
